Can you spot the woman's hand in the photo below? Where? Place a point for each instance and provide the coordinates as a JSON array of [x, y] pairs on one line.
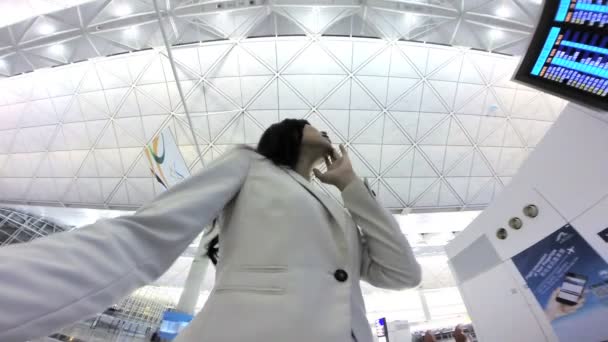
[[339, 170]]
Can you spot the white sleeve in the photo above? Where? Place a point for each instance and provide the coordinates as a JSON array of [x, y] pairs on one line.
[[387, 259], [57, 280]]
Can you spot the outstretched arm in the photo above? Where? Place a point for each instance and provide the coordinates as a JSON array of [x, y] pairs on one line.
[[54, 281]]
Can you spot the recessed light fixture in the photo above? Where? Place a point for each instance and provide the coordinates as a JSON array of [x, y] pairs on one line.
[[496, 34], [57, 49], [503, 12], [131, 32], [410, 19], [46, 28], [122, 10]]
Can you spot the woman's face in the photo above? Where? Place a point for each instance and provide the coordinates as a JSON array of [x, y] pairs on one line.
[[314, 140]]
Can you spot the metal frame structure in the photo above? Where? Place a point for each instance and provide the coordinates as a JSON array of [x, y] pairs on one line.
[[17, 226], [105, 27]]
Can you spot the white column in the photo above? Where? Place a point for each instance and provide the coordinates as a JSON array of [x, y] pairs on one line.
[[196, 274]]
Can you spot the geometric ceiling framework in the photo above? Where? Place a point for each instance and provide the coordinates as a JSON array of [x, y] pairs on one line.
[[433, 127], [104, 27]]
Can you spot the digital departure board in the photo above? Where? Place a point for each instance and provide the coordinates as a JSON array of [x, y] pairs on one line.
[[568, 55]]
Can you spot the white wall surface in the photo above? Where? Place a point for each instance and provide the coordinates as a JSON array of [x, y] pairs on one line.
[[566, 177]]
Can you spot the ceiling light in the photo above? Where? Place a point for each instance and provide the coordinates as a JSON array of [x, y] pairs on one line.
[[410, 19], [57, 49], [2, 63], [496, 34], [503, 12], [131, 32], [122, 10], [46, 28]]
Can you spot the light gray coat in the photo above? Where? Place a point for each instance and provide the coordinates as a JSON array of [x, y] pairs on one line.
[[281, 242]]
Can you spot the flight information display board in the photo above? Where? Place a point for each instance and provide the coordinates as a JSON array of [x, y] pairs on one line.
[[568, 55]]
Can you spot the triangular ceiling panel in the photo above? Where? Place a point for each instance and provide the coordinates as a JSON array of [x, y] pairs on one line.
[[408, 102], [391, 154], [439, 59], [426, 122], [457, 136], [360, 166], [108, 163], [387, 197], [290, 100], [481, 190], [403, 167], [470, 99], [438, 135], [377, 86], [480, 167], [359, 119], [366, 52], [460, 186], [449, 70], [455, 154], [436, 155], [314, 58], [417, 56], [430, 197], [469, 72], [93, 105], [264, 50], [256, 85], [378, 66], [371, 153], [422, 168], [461, 168], [418, 186], [401, 67], [129, 132], [397, 87], [393, 134], [446, 90], [408, 121], [431, 102], [219, 122], [341, 50], [372, 134], [234, 133], [217, 102]]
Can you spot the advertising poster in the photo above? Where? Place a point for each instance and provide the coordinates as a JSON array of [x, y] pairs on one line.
[[165, 160], [570, 282]]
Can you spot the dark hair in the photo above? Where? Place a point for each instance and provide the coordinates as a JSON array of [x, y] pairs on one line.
[[280, 143]]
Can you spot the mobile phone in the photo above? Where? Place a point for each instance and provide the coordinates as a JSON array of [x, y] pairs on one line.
[[572, 289]]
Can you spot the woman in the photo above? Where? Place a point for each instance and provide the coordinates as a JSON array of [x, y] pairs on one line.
[[290, 258]]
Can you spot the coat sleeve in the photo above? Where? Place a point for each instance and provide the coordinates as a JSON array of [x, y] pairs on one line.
[[387, 259], [57, 280]]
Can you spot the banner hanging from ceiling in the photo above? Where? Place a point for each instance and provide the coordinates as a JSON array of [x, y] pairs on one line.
[[165, 160]]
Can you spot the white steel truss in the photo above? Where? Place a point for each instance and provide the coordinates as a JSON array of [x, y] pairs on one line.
[[105, 27], [433, 127]]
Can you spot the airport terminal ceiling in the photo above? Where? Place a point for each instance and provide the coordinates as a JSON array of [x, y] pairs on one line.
[[434, 127]]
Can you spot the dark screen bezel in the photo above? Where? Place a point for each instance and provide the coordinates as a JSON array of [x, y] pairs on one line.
[[536, 44]]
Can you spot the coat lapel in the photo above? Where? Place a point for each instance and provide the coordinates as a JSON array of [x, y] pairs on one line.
[[333, 208], [337, 212]]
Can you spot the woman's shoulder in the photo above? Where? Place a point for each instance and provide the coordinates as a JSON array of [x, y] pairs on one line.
[[243, 153]]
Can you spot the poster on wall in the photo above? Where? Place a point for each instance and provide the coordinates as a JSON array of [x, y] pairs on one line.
[[165, 160], [569, 279]]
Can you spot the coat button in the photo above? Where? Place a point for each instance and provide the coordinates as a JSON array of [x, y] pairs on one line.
[[341, 275]]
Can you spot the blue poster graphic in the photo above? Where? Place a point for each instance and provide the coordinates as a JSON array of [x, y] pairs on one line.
[[569, 279]]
